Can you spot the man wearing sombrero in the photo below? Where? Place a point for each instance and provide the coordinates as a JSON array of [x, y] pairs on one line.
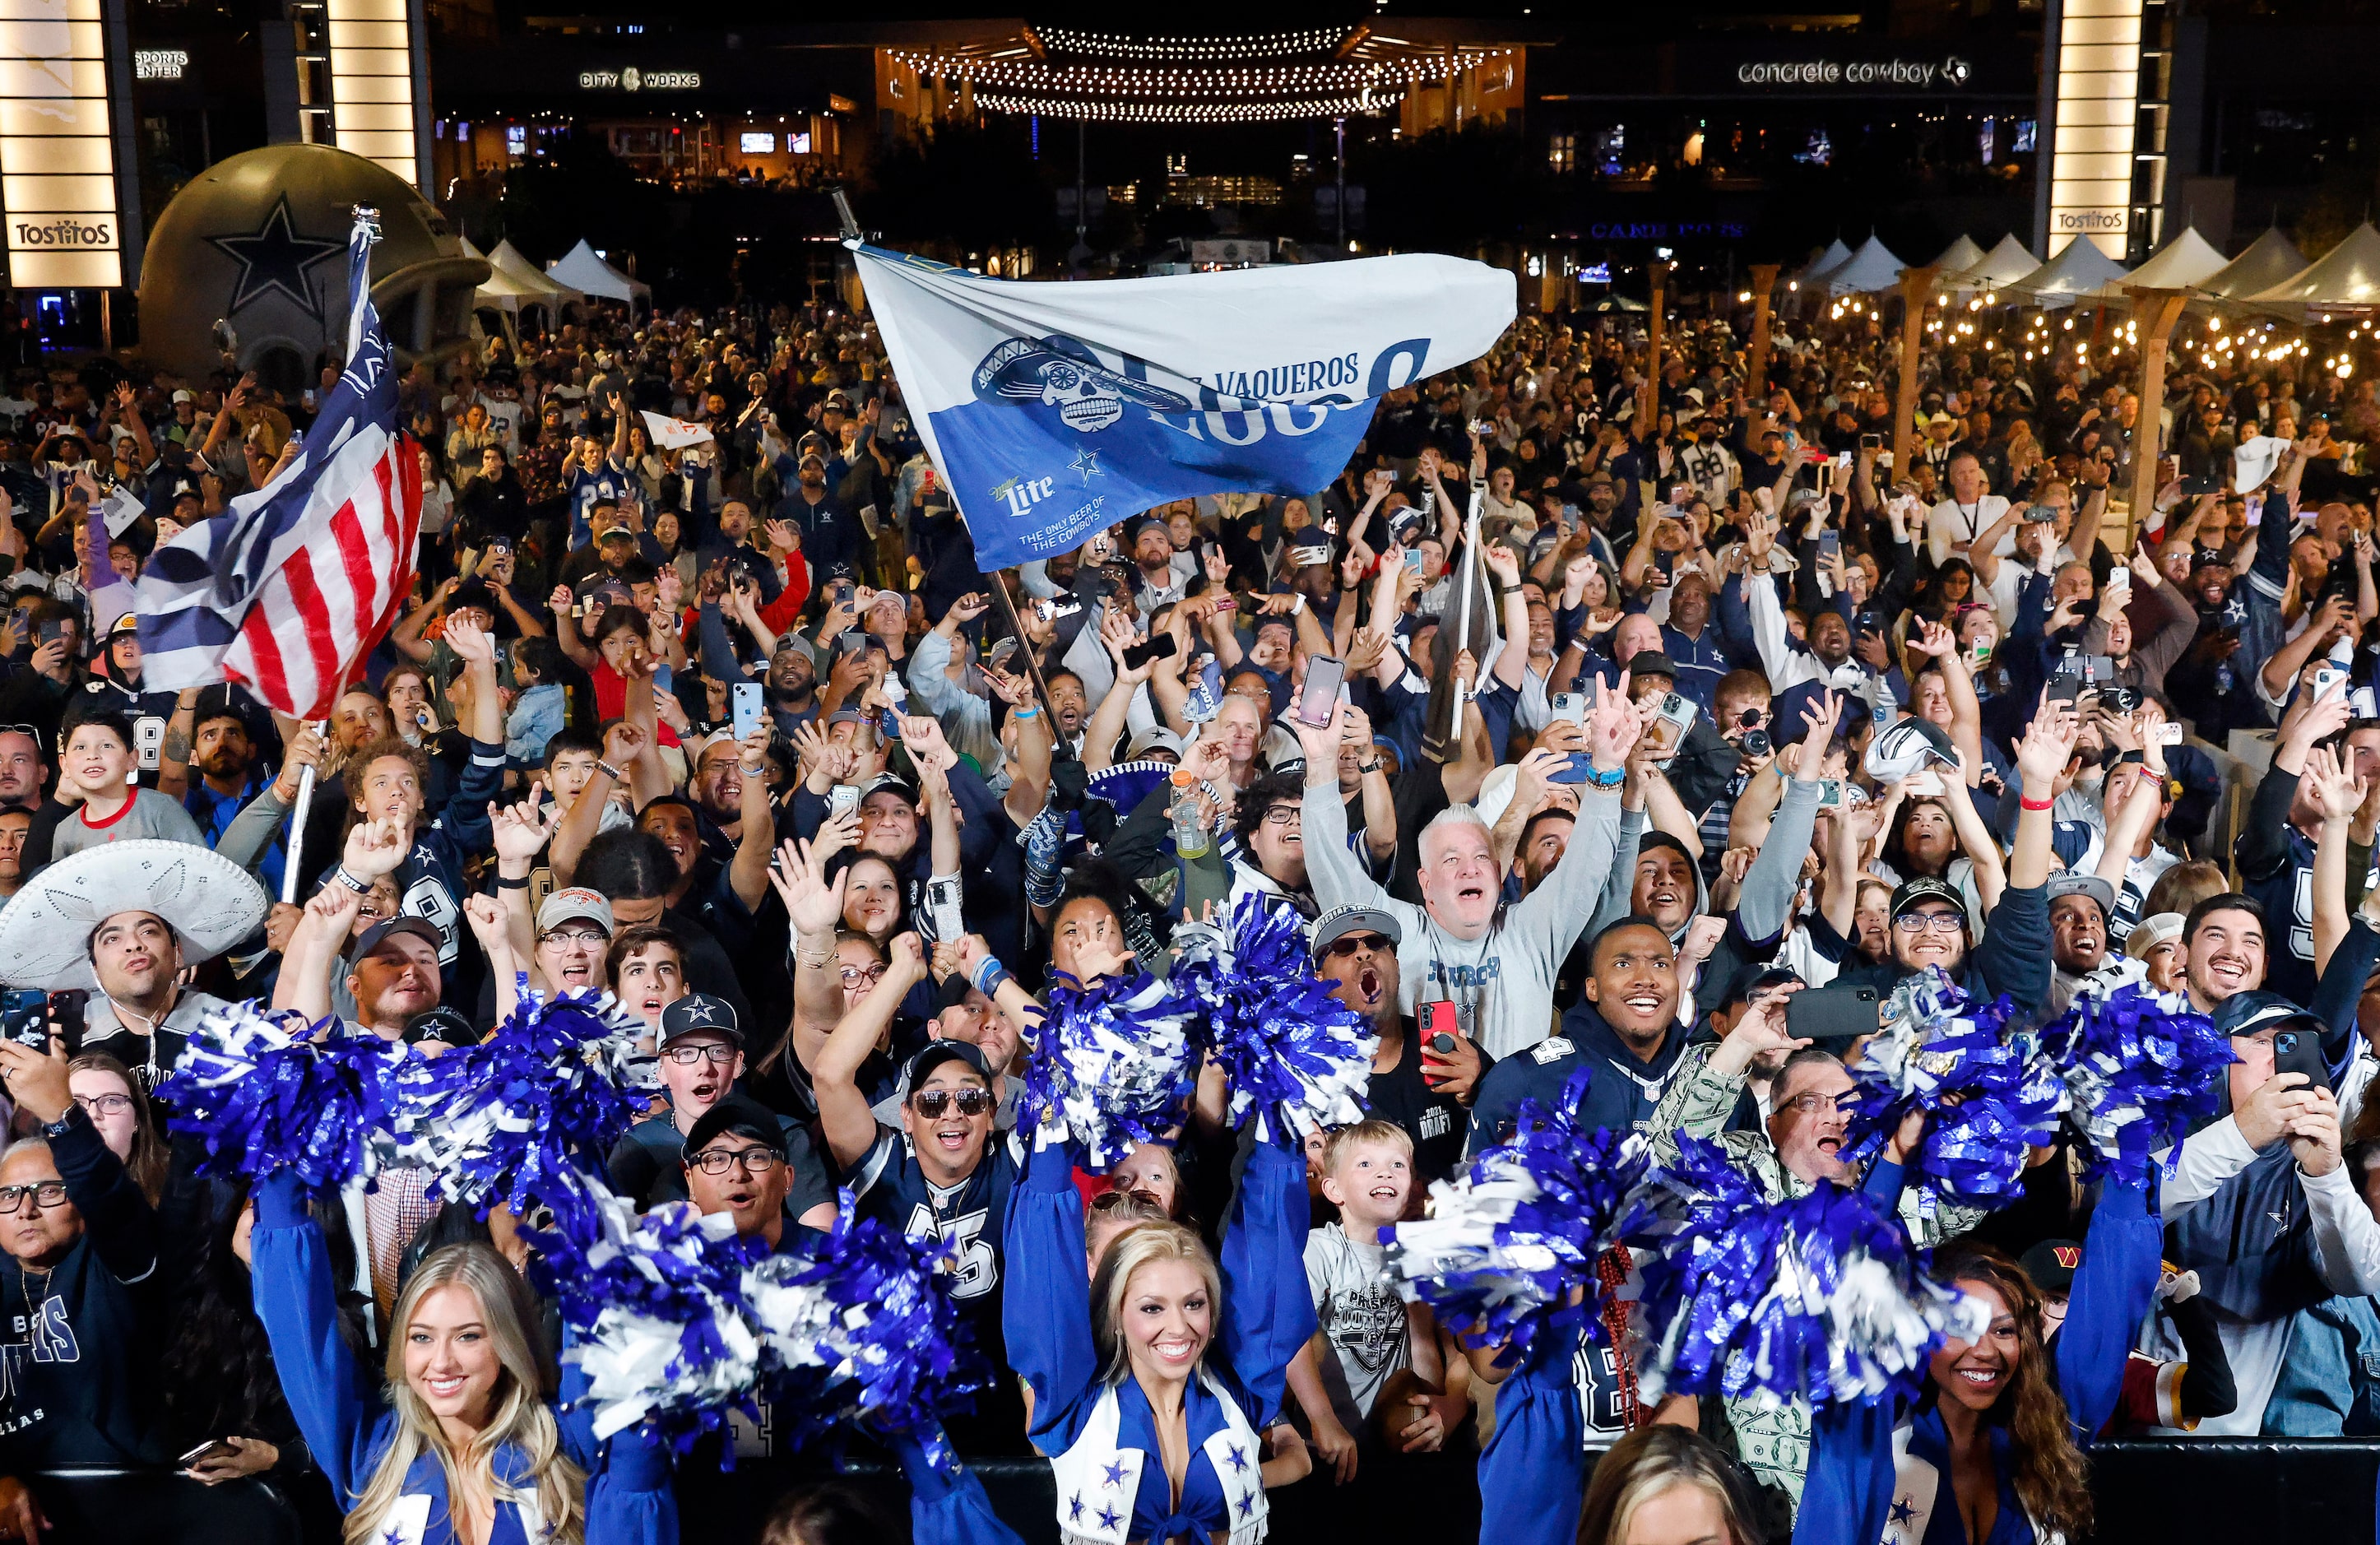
[[123, 922]]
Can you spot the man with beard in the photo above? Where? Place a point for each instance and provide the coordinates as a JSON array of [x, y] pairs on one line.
[[1159, 576], [24, 773], [2211, 673], [1624, 1028], [229, 774], [830, 533], [1827, 658], [1418, 1086], [716, 786]]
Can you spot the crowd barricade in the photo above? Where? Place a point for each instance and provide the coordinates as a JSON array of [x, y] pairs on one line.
[[2297, 1490]]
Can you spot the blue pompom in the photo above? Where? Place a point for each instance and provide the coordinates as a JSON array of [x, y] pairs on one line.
[[265, 1092], [1289, 1050], [1114, 1061], [544, 1096], [1512, 1247], [1816, 1298], [1991, 1095], [2141, 1069]]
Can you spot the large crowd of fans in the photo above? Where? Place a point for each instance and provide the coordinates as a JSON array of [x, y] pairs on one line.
[[1712, 707]]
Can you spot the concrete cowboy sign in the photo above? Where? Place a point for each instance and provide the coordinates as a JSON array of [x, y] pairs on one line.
[[1948, 73]]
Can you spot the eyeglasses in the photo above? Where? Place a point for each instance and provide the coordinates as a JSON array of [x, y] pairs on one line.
[[753, 1161], [585, 938], [854, 975], [1281, 815], [931, 1104], [686, 1057], [1811, 1104], [48, 1193], [27, 731], [104, 1105], [1938, 922], [1348, 944]]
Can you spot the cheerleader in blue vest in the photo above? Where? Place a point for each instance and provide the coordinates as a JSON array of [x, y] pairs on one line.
[[466, 1442], [1986, 1455], [1149, 1406]]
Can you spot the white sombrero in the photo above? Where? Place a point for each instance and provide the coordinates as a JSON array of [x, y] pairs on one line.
[[209, 902]]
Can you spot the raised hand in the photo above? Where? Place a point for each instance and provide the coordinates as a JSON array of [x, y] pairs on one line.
[[2337, 791], [521, 830], [374, 848], [1612, 726], [472, 645], [2048, 744], [814, 906]]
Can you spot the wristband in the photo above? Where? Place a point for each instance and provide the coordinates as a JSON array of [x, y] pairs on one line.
[[361, 887], [1613, 779], [1027, 712], [2033, 804], [607, 769], [504, 885], [986, 970], [1297, 604]]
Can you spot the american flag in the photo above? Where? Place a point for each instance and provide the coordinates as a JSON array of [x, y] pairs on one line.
[[287, 590]]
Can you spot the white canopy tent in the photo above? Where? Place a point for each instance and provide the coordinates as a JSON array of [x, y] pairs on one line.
[[507, 260], [2270, 259], [1834, 257], [2004, 265], [504, 292], [2345, 278], [2078, 269], [1957, 258], [583, 269], [2185, 262], [1872, 268]]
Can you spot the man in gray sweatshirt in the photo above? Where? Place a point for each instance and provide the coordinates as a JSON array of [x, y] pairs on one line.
[[1494, 962]]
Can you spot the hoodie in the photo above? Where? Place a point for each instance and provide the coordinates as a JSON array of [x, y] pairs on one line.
[[1623, 1093]]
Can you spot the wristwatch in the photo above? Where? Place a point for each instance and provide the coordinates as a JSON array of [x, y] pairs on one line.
[[1371, 766]]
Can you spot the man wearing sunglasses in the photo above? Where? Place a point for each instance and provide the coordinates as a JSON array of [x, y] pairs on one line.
[[701, 1059], [1420, 1087]]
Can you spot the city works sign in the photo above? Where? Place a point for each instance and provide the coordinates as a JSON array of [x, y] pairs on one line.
[[631, 78], [63, 233], [1921, 74]]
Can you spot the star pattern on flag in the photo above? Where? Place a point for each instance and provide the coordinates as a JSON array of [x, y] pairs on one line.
[[273, 260]]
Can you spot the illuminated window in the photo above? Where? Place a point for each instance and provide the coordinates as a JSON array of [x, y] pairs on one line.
[[1562, 153], [55, 155]]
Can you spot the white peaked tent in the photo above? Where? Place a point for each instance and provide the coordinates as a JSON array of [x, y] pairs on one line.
[[1872, 268], [2345, 278], [1826, 263], [507, 293], [1957, 258], [2270, 259], [507, 260], [583, 269], [2078, 268], [2004, 265], [2186, 262]]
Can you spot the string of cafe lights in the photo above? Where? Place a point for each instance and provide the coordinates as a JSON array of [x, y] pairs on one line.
[[1186, 112], [1262, 45], [1124, 80]]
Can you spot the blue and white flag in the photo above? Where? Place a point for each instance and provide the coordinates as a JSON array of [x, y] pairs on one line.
[[1056, 409]]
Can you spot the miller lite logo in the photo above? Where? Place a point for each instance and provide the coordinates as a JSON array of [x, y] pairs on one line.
[[1020, 494]]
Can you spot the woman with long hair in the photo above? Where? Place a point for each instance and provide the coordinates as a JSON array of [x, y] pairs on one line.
[[1661, 1485], [127, 1123], [469, 1439], [1150, 1407], [1984, 1456], [216, 1371]]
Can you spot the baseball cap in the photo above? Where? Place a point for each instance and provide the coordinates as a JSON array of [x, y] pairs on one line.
[[1909, 746], [2160, 928], [1156, 737], [443, 1025], [382, 933], [1753, 980], [2261, 1009], [741, 1115], [888, 783], [577, 901], [1925, 888], [1340, 921], [936, 1052], [2051, 1264], [701, 1012], [1651, 663], [2073, 885]]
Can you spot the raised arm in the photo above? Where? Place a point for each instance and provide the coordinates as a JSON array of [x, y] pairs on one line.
[[844, 1118], [621, 742], [2338, 792], [748, 872], [813, 908]]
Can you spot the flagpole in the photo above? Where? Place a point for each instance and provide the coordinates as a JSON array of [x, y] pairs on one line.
[[298, 824], [1463, 617]]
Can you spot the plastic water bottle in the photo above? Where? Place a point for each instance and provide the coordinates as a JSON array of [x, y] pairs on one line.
[[1190, 839]]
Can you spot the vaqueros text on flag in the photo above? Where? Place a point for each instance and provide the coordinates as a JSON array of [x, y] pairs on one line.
[[287, 590], [1055, 409]]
